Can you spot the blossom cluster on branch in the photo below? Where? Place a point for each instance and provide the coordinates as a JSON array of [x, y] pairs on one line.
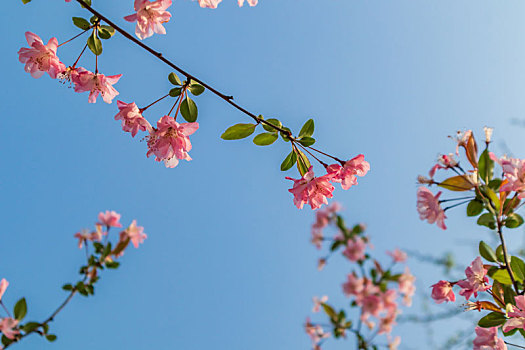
[[101, 253], [375, 291]]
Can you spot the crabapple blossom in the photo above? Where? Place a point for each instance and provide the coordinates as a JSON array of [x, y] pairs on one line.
[[132, 119], [516, 316], [109, 219], [8, 327], [134, 233], [3, 286], [355, 249], [86, 235], [347, 174], [212, 4], [398, 255], [311, 190], [353, 285], [442, 291], [487, 338], [444, 162], [406, 286], [96, 84], [429, 208], [317, 302], [250, 2], [477, 280], [149, 17], [393, 344], [40, 58], [462, 139], [170, 141], [514, 172], [315, 332]]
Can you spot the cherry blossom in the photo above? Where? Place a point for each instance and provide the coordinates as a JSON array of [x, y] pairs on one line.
[[317, 303], [487, 338], [40, 58], [170, 141], [429, 208], [355, 249], [149, 17], [3, 286], [516, 316], [347, 174], [132, 119], [96, 84], [8, 327], [477, 280], [398, 255], [109, 219], [134, 233], [442, 291], [311, 190]]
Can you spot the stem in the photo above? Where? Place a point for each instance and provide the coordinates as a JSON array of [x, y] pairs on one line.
[[151, 104], [455, 199], [455, 205], [228, 99], [334, 158], [317, 159], [505, 256], [81, 53], [73, 38], [515, 345], [6, 310]]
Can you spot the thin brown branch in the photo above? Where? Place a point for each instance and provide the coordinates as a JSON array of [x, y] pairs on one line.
[[506, 257]]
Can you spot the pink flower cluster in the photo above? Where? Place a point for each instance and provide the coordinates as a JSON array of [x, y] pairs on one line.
[[150, 17], [133, 233], [323, 218], [487, 338], [314, 191], [514, 173], [40, 59], [429, 207], [8, 325], [316, 333]]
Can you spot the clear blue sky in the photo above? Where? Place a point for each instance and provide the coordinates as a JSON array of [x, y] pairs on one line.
[[227, 264]]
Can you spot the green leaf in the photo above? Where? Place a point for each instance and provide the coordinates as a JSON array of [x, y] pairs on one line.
[[196, 89], [81, 23], [106, 32], [329, 311], [509, 295], [493, 319], [518, 267], [174, 79], [272, 121], [307, 129], [499, 254], [175, 92], [283, 135], [265, 139], [488, 220], [51, 337], [303, 164], [67, 287], [493, 198], [457, 183], [94, 44], [26, 1], [485, 166], [289, 161], [93, 19], [307, 141], [513, 220], [31, 326], [188, 109], [474, 208], [20, 310], [495, 184], [487, 252], [238, 131], [502, 276]]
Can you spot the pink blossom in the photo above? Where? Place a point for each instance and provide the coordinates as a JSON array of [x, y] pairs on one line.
[[386, 323], [132, 119], [442, 291], [3, 286], [347, 174], [477, 280], [149, 17], [170, 141], [315, 332], [317, 303], [406, 286], [393, 344], [317, 239], [444, 162], [134, 233], [355, 249], [311, 190], [40, 58], [85, 235], [514, 172], [109, 219], [8, 327], [389, 301], [353, 285], [250, 2], [462, 139], [212, 4], [96, 84], [398, 255], [371, 305], [321, 263], [429, 208], [487, 338], [516, 316]]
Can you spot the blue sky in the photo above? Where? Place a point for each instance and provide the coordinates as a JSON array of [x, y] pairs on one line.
[[228, 262]]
